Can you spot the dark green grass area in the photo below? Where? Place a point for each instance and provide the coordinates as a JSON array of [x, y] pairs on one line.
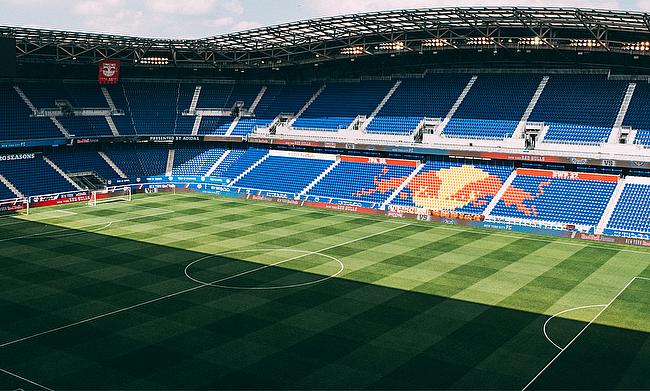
[[417, 306], [606, 357]]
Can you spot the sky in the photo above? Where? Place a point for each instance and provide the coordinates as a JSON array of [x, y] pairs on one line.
[[203, 18]]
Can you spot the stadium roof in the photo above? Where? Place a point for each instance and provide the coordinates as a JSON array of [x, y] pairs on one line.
[[369, 34]]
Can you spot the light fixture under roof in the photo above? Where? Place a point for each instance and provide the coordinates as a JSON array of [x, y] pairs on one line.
[[353, 50], [154, 60]]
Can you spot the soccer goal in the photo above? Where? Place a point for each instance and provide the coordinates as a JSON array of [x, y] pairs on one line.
[[110, 194], [17, 206]]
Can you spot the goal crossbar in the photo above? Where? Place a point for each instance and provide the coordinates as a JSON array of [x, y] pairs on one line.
[[110, 194], [14, 206]]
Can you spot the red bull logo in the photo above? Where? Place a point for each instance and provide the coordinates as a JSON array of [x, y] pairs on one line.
[[516, 197], [453, 188]]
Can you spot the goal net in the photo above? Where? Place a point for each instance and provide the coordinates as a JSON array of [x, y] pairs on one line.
[[110, 194], [17, 206]]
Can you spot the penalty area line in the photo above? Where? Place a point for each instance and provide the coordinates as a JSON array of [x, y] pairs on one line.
[[562, 350], [117, 311], [39, 215], [103, 226], [25, 379], [565, 312]]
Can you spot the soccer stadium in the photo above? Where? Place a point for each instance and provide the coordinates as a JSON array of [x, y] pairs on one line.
[[448, 198]]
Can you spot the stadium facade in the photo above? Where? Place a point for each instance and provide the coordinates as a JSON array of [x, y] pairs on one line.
[[528, 119]]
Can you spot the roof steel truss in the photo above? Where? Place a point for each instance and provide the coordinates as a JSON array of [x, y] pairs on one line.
[[324, 39]]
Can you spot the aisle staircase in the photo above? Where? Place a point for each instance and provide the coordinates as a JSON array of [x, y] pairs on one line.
[[170, 161], [607, 215], [112, 126], [25, 99], [320, 177], [111, 163], [217, 163], [232, 126], [381, 105], [531, 106], [197, 125], [195, 99], [257, 100], [60, 171], [309, 103], [11, 187], [618, 123], [109, 99], [488, 210], [401, 187], [251, 168], [454, 108], [59, 126]]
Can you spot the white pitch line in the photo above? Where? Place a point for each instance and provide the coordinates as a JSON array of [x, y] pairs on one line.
[[433, 225], [106, 225], [24, 379], [79, 205], [39, 214], [304, 254], [179, 292], [562, 313], [562, 350], [63, 211]]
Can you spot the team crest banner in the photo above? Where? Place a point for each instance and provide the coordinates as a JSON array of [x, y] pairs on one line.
[[109, 72]]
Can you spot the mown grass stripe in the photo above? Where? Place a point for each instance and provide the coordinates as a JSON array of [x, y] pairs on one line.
[[541, 293]]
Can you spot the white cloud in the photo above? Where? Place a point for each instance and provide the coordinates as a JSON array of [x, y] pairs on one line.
[[161, 18], [643, 5], [231, 24], [201, 18], [355, 6], [242, 25], [194, 7], [220, 23], [98, 7]]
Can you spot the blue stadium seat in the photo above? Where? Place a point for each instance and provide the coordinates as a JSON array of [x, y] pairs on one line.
[[195, 161], [276, 100], [493, 107], [153, 108], [224, 96], [86, 95], [16, 121], [215, 125], [638, 114], [238, 161], [416, 99], [556, 200], [43, 94], [454, 186], [340, 103], [82, 159], [124, 123], [34, 177], [286, 174], [84, 126], [139, 162], [359, 181], [5, 193], [632, 213], [580, 109]]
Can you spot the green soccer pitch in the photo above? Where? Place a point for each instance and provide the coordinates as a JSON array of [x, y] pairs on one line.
[[190, 291]]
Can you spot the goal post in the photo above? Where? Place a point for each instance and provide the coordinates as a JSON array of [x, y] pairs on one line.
[[110, 194], [16, 206]]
